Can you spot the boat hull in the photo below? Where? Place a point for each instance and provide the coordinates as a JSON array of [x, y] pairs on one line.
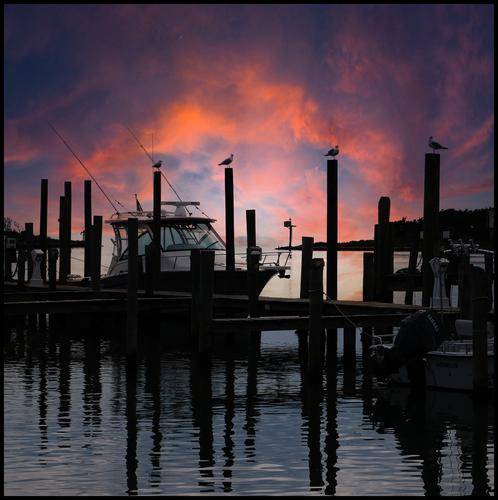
[[225, 282]]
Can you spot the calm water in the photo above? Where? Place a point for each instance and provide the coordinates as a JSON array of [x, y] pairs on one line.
[[79, 421]]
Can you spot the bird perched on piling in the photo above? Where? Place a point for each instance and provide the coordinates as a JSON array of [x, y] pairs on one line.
[[227, 161], [333, 152], [435, 145], [157, 164]]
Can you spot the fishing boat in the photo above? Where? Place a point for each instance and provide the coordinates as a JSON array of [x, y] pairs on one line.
[[182, 230]]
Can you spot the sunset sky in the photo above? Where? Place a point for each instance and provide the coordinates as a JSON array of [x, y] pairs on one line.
[[276, 85]]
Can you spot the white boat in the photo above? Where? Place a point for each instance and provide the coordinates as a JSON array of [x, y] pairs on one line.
[[450, 365], [180, 233]]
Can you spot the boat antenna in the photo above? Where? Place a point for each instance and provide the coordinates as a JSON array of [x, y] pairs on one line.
[[152, 160], [88, 171]]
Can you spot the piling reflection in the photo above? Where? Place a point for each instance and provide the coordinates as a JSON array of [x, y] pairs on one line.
[[420, 425]]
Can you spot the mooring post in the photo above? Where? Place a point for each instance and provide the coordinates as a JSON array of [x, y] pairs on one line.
[[67, 223], [315, 322], [430, 244], [43, 226], [488, 264], [96, 251], [195, 272], [253, 256], [464, 293], [481, 303], [21, 267], [206, 301], [88, 225], [132, 307], [62, 241], [383, 250], [149, 270], [53, 255], [28, 238], [306, 256], [156, 240], [368, 295], [412, 268], [229, 220], [251, 228]]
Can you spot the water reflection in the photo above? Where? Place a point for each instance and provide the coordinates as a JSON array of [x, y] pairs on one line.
[[235, 422]]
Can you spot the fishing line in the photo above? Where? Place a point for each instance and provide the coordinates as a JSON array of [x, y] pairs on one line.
[[81, 163]]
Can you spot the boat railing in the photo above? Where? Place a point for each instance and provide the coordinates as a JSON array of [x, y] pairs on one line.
[[461, 346]]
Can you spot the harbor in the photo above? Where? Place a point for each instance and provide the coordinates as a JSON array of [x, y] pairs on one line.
[[236, 261]]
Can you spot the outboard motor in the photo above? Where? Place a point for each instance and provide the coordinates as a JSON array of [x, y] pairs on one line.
[[418, 334]]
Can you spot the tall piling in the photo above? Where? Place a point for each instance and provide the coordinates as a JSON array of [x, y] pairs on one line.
[[481, 303], [315, 322], [229, 220], [383, 251], [53, 255], [431, 239], [43, 226], [28, 237], [88, 225], [132, 307], [206, 301], [96, 251], [412, 268], [251, 228], [306, 257], [67, 223], [368, 295], [253, 256], [156, 230], [195, 273], [63, 250]]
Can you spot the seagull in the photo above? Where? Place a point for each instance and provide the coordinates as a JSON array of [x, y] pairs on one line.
[[435, 145], [157, 164], [227, 161], [333, 151]]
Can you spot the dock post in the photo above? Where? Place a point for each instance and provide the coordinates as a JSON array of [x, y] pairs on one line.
[[383, 259], [464, 293], [481, 303], [431, 238], [206, 301], [368, 295], [96, 251], [21, 267], [251, 228], [88, 226], [253, 256], [156, 239], [315, 323], [53, 255], [229, 221], [43, 226], [306, 257], [412, 267], [28, 238], [195, 271], [132, 308], [62, 241], [488, 264], [68, 223], [149, 270]]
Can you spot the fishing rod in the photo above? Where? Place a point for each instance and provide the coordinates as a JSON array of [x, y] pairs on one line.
[[152, 160], [88, 171]]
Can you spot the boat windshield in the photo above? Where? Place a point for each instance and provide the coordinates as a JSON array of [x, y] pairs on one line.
[[188, 235]]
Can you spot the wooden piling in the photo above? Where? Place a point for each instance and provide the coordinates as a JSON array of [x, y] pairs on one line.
[[315, 324], [43, 226], [332, 229], [489, 264], [229, 221], [464, 290], [132, 309], [96, 251], [251, 228], [306, 257], [53, 255], [28, 238], [431, 240], [68, 223], [368, 295], [195, 272], [412, 268], [156, 230], [383, 251], [253, 256], [62, 241], [88, 225], [481, 303], [21, 268], [206, 301]]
